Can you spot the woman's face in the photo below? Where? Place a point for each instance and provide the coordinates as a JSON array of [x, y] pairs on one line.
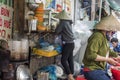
[[109, 34]]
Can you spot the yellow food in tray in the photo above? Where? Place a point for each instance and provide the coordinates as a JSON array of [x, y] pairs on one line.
[[45, 53]]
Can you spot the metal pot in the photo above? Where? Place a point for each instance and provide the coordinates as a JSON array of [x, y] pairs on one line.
[[23, 73]]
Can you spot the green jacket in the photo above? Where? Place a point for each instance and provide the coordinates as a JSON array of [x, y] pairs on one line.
[[97, 44]]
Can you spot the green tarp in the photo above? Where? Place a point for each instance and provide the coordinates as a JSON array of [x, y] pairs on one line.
[[114, 4]]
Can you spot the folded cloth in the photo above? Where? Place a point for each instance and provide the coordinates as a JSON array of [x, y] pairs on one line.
[[86, 69]]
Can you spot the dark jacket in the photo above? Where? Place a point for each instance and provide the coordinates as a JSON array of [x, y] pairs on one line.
[[65, 29]]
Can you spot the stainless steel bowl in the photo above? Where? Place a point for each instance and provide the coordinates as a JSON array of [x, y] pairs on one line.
[[32, 6]]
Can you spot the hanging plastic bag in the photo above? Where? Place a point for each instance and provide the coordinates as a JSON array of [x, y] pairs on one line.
[[58, 40]]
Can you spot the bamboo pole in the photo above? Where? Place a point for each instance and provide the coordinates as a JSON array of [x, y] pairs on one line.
[[100, 10], [93, 10]]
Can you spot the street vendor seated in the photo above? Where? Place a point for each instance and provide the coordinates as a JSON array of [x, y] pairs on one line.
[[98, 53]]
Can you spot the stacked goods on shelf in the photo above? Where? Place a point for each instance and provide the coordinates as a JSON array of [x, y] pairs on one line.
[[32, 23], [39, 13]]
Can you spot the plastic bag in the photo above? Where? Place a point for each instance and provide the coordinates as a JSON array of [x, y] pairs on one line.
[[51, 69], [81, 32], [58, 48], [58, 40], [76, 68], [77, 46], [59, 71]]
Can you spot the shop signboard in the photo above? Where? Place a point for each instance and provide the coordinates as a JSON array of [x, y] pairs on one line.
[[59, 5], [6, 13], [63, 5], [67, 6], [50, 4]]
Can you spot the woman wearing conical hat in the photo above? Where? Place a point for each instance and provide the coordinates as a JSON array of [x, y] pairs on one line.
[[64, 28], [98, 53]]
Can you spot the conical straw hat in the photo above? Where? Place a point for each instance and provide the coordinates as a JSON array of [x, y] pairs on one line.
[[63, 15], [109, 23]]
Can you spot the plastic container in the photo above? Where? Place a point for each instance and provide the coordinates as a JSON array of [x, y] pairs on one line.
[[32, 24], [42, 76]]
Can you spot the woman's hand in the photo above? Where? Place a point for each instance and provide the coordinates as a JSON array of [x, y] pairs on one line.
[[112, 61], [117, 59]]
